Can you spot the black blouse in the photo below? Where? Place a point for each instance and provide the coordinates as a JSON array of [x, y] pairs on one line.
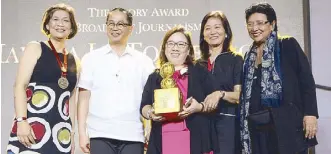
[[255, 100], [227, 72], [203, 136]]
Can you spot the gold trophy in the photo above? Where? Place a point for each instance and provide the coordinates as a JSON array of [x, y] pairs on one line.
[[167, 99]]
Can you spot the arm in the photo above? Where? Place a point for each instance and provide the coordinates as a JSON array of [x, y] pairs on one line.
[[72, 110], [73, 99], [82, 109], [307, 90], [147, 69], [72, 114], [207, 83], [191, 106], [146, 103], [233, 96], [146, 111], [73, 106], [229, 96], [213, 99], [85, 85], [28, 61], [306, 81], [31, 54], [147, 100]]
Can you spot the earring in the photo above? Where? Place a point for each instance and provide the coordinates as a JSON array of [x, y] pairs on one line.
[[226, 36]]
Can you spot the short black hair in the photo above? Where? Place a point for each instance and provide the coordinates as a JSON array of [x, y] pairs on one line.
[[264, 8], [126, 12]]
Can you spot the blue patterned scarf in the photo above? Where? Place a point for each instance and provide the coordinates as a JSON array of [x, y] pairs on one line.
[[271, 84]]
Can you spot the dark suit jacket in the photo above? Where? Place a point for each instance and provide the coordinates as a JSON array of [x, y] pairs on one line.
[[202, 135], [299, 98]]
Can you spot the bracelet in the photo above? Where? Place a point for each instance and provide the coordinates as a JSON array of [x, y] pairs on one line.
[[203, 107], [223, 94], [19, 119]]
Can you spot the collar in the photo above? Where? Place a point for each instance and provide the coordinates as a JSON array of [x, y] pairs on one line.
[[108, 49], [224, 52]]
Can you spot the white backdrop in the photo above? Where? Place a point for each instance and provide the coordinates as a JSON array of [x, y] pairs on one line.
[[320, 59]]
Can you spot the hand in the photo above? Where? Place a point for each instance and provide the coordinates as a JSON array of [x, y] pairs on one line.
[[84, 143], [25, 133], [191, 106], [156, 117], [72, 143], [212, 100], [310, 125], [147, 134]]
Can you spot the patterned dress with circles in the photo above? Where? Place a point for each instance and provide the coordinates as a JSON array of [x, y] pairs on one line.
[[47, 107]]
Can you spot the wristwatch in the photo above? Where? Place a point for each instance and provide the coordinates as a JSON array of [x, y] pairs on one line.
[[223, 94], [19, 119]]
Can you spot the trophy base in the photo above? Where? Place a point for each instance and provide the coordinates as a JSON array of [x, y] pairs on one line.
[[171, 116]]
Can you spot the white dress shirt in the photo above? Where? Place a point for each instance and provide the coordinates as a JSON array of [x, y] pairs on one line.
[[116, 84]]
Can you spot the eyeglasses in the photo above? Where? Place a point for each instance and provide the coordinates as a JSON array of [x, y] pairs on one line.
[[119, 25], [257, 23], [180, 44]]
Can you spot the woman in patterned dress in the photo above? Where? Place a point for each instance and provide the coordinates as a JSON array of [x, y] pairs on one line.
[[45, 84]]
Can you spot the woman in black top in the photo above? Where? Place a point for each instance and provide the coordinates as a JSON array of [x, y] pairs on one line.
[[278, 102], [219, 57], [177, 49]]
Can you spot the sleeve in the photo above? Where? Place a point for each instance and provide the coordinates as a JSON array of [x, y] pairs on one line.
[[237, 70], [86, 74], [306, 81], [148, 93], [148, 69]]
